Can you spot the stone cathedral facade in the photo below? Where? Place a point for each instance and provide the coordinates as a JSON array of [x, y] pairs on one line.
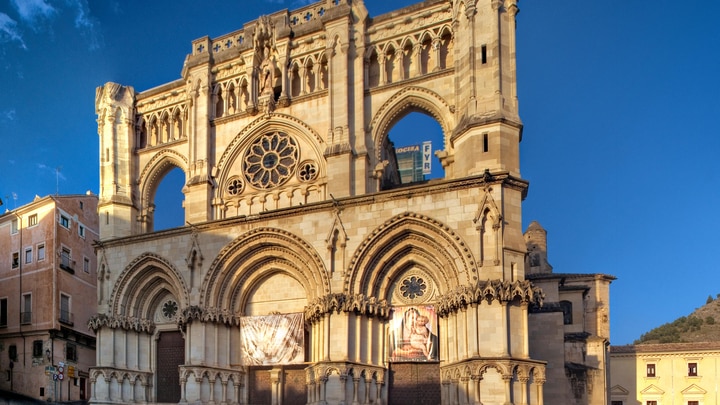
[[306, 272]]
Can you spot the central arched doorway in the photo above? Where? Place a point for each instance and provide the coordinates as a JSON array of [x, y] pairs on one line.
[[170, 355]]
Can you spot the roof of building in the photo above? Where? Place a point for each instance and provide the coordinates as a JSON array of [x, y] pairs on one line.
[[665, 347]]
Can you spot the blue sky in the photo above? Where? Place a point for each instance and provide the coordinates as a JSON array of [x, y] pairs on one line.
[[619, 100]]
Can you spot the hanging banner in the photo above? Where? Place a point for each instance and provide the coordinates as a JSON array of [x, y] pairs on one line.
[[413, 334], [272, 339]]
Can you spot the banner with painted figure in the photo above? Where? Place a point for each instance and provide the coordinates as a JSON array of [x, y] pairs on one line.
[[413, 334], [272, 339]]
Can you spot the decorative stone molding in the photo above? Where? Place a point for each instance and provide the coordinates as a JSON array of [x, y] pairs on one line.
[[359, 304], [128, 323], [490, 290]]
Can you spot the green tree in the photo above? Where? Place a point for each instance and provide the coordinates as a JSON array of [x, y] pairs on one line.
[[709, 299]]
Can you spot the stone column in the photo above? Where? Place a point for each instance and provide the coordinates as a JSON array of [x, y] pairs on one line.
[[356, 382], [382, 59], [507, 381], [524, 390]]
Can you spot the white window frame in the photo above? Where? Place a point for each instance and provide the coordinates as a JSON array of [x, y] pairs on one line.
[[12, 256], [64, 221], [28, 255], [40, 249], [26, 309]]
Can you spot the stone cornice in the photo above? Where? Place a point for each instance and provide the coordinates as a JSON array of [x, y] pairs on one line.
[[129, 323], [490, 290], [359, 304], [402, 193], [314, 311]]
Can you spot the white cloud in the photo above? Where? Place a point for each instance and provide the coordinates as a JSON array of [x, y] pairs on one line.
[[34, 10], [55, 171], [9, 31], [86, 24], [8, 115]]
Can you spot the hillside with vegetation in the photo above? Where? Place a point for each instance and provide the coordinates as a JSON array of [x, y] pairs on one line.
[[703, 325]]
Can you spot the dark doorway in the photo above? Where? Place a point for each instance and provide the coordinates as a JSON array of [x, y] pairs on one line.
[[170, 355], [414, 384]]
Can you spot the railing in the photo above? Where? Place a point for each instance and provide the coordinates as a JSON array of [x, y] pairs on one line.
[[67, 264], [25, 318], [66, 317]]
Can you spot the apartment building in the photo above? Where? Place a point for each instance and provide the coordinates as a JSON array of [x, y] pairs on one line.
[[667, 373], [47, 294]]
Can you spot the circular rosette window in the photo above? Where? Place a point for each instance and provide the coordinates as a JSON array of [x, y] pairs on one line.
[[271, 160], [414, 287], [169, 309]]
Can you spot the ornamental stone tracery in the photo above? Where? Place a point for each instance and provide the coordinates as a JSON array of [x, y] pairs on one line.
[[270, 160], [415, 287]]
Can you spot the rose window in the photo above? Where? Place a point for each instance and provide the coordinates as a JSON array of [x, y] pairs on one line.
[[235, 187], [271, 160], [307, 171], [413, 287], [169, 309]]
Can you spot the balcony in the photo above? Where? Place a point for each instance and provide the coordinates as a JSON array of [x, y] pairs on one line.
[[25, 318], [67, 264], [66, 318]]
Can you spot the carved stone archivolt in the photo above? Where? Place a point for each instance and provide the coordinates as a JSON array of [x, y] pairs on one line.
[[245, 260], [132, 288], [405, 241]]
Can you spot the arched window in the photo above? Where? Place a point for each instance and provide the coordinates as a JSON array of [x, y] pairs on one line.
[[567, 312]]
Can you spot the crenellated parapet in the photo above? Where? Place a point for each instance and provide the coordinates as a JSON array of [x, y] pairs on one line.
[[489, 291], [127, 323]]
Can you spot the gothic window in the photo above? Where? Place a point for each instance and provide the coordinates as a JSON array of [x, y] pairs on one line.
[[307, 171], [220, 103], [234, 186], [178, 122], [295, 81], [413, 287], [310, 76], [270, 160], [323, 72], [169, 309]]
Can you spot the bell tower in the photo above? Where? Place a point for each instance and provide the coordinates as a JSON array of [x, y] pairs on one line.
[[115, 108], [488, 129]]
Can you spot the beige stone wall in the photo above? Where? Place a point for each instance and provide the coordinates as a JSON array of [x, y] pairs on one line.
[[290, 208]]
